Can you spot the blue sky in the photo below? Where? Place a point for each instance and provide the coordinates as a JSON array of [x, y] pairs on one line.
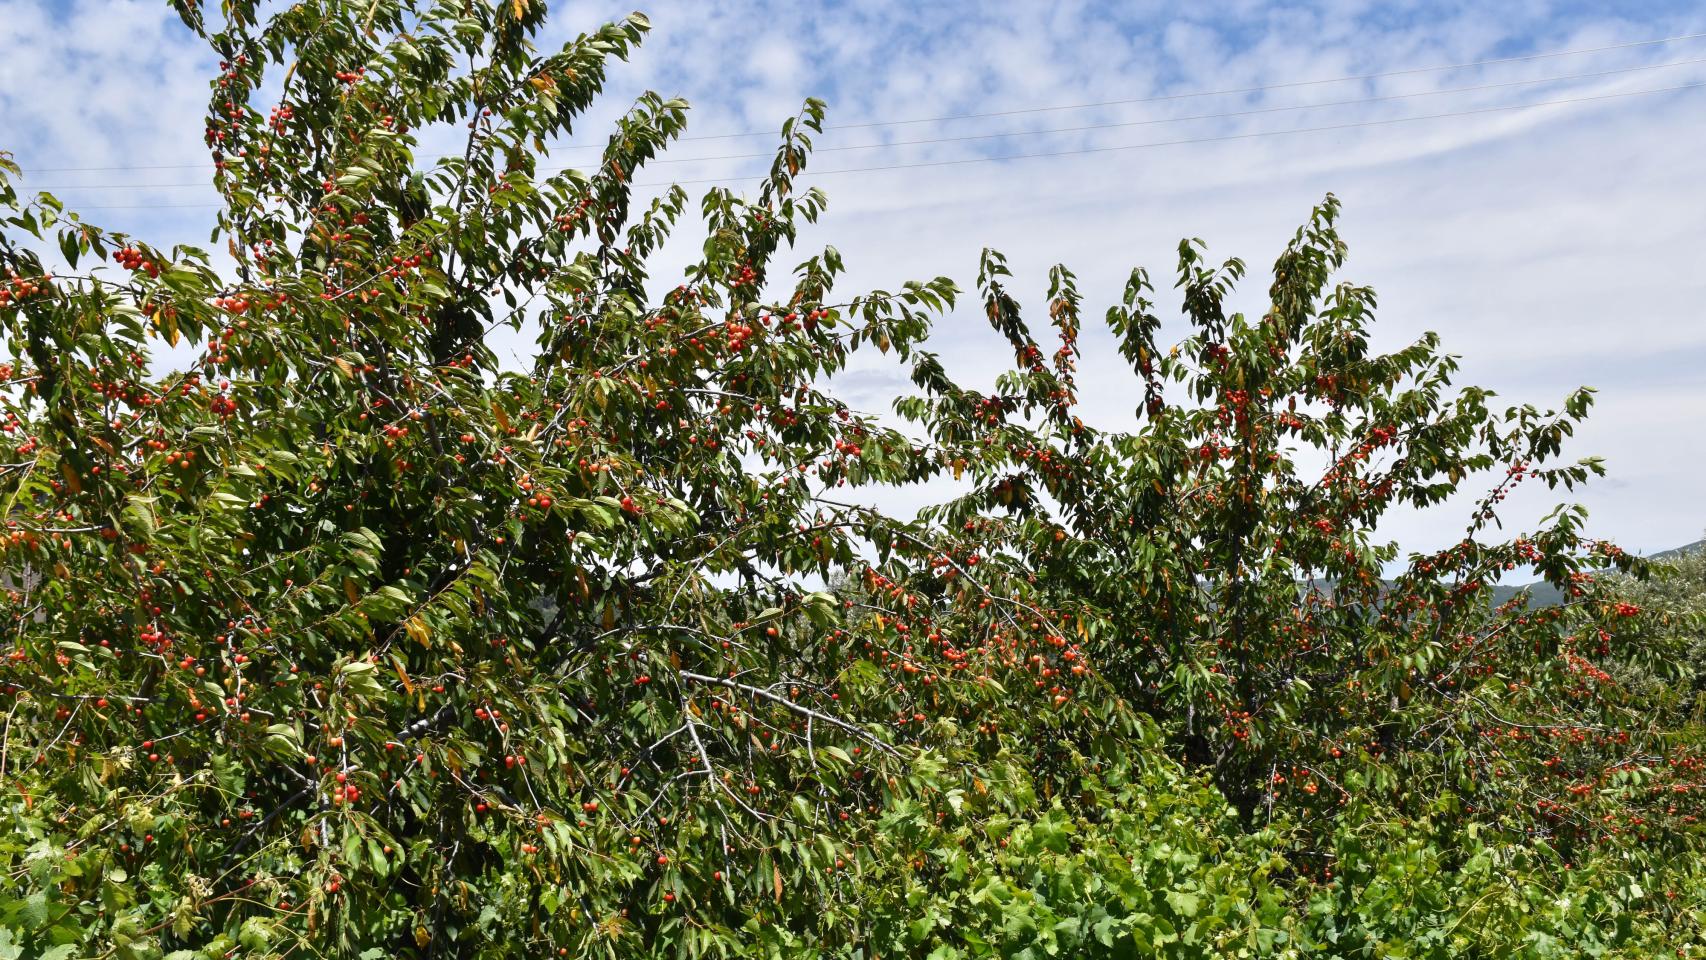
[[1551, 247]]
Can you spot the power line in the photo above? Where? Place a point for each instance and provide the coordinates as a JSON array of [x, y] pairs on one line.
[[1160, 98], [1044, 132], [1239, 90], [1093, 150], [1219, 139], [1255, 111]]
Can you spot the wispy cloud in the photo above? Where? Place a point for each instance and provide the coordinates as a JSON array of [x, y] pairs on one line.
[[1551, 247]]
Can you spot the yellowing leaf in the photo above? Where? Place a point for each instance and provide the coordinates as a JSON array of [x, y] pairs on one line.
[[167, 326], [402, 674]]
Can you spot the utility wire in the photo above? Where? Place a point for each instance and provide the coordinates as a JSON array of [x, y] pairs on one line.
[[1255, 111], [1219, 139], [1036, 133], [1237, 90], [1092, 150], [1160, 98]]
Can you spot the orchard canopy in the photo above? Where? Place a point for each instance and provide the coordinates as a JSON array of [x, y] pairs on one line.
[[337, 636]]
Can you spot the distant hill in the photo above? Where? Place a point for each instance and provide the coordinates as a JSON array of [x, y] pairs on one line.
[[1542, 594], [1676, 552]]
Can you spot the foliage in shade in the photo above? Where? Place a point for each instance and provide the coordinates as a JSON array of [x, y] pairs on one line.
[[348, 639]]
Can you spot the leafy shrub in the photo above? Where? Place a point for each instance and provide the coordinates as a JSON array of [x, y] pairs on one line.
[[347, 639]]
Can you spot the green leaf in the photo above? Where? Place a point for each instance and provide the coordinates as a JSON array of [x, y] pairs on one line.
[[34, 910], [1185, 904]]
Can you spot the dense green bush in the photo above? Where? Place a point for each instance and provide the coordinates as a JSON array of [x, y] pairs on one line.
[[346, 639]]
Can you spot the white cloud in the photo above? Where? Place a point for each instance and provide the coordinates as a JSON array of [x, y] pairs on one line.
[[1550, 247]]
